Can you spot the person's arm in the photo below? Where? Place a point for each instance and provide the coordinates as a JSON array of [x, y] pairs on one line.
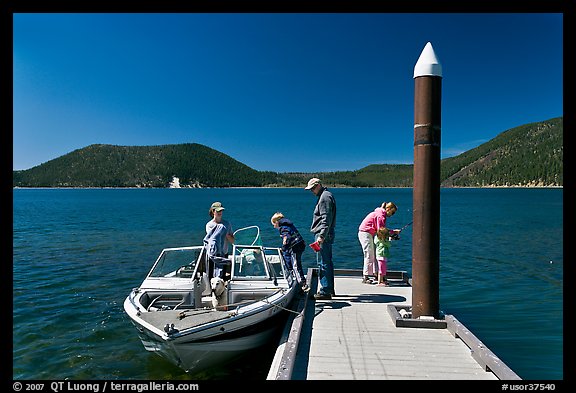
[[284, 233], [380, 221], [230, 234], [325, 208]]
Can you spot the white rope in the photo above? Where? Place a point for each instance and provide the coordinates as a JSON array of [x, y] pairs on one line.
[[283, 308]]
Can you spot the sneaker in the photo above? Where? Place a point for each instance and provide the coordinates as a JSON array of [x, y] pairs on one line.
[[323, 296], [365, 280], [305, 288]]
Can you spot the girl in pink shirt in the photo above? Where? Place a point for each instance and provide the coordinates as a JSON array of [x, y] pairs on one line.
[[366, 231]]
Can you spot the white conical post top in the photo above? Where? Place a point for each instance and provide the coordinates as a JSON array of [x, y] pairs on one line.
[[427, 64]]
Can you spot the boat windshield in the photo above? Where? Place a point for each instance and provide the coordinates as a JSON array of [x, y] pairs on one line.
[[249, 262], [255, 262], [176, 262]]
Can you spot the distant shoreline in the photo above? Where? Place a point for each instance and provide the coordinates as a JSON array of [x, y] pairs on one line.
[[208, 188]]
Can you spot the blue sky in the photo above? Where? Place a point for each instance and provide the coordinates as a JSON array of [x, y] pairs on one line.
[[302, 92]]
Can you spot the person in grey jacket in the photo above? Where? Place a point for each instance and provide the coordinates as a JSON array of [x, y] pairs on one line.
[[323, 223]]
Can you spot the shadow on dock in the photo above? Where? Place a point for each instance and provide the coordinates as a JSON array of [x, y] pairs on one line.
[[347, 358]]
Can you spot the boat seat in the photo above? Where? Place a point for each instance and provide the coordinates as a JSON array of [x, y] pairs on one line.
[[170, 300], [244, 296]]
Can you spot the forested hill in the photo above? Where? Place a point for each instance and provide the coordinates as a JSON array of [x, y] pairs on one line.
[[142, 166], [528, 155]]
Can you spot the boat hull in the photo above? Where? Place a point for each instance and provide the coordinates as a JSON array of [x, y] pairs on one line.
[[196, 356], [204, 338], [180, 316]]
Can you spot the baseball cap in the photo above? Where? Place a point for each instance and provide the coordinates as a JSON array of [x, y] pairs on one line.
[[312, 182], [217, 206]]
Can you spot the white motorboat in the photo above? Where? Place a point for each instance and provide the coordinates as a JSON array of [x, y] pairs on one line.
[[178, 315]]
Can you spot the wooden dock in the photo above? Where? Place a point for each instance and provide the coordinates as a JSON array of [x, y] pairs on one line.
[[361, 334]]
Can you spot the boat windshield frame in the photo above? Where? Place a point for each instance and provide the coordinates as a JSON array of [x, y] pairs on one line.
[[176, 262], [258, 263]]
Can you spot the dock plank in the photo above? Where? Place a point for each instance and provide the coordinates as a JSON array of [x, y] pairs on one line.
[[352, 337]]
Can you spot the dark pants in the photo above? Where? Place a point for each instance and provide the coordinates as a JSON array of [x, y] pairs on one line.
[[218, 266], [293, 259]]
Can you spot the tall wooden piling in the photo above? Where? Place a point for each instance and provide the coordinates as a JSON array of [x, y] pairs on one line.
[[426, 191]]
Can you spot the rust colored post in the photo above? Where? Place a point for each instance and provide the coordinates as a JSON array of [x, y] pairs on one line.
[[426, 191]]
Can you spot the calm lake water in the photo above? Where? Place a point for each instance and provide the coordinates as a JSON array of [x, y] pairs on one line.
[[77, 253]]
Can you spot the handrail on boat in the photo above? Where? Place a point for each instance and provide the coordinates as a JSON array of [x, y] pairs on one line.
[[246, 228]]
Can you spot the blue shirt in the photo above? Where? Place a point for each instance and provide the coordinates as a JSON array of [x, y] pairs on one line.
[[220, 241]]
